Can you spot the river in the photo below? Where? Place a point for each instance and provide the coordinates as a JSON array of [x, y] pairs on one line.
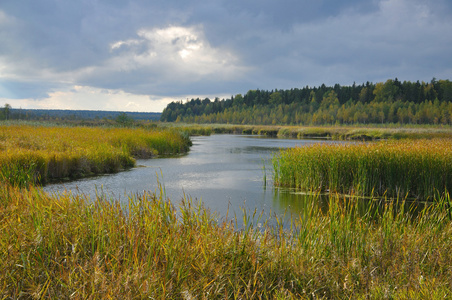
[[228, 173]]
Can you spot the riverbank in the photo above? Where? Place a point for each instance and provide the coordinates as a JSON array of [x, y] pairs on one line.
[[39, 154], [362, 132], [372, 132], [70, 246]]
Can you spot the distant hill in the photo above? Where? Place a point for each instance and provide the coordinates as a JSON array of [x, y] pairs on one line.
[[36, 114]]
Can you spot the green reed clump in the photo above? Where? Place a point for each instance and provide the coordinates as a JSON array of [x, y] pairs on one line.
[[418, 169], [22, 168], [71, 247], [198, 130]]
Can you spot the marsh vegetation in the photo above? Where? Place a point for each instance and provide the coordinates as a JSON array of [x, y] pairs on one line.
[[95, 248], [341, 133], [75, 246], [420, 169], [38, 154]]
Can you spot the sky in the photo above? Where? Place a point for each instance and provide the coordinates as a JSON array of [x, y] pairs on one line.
[[139, 55]]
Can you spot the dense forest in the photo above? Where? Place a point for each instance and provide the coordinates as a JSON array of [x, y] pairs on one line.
[[385, 102]]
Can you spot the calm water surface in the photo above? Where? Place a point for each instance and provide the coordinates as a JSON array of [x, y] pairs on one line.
[[225, 172]]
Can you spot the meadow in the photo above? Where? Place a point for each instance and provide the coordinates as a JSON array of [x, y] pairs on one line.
[[39, 154], [420, 169]]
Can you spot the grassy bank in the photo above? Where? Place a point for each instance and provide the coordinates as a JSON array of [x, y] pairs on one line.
[[72, 247], [37, 154], [371, 132], [413, 168]]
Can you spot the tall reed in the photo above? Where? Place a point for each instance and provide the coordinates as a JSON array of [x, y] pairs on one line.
[[419, 169], [34, 154], [73, 247]]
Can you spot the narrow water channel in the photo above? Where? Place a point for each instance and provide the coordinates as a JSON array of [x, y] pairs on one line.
[[228, 173]]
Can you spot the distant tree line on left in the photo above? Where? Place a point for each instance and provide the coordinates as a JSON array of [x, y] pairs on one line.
[[9, 113], [5, 112]]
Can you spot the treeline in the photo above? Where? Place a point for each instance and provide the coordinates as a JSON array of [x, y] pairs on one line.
[[386, 102], [9, 113]]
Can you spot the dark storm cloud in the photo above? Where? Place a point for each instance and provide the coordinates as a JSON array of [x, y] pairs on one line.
[[177, 48]]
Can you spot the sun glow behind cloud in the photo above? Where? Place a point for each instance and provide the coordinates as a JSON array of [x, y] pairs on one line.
[[183, 51]]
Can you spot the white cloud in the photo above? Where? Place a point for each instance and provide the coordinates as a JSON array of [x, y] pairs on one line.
[[89, 98], [119, 44], [173, 52]]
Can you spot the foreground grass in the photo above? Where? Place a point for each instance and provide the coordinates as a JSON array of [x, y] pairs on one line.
[[72, 247], [38, 154], [414, 168]]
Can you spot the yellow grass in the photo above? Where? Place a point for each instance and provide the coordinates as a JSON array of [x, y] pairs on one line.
[[30, 154]]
